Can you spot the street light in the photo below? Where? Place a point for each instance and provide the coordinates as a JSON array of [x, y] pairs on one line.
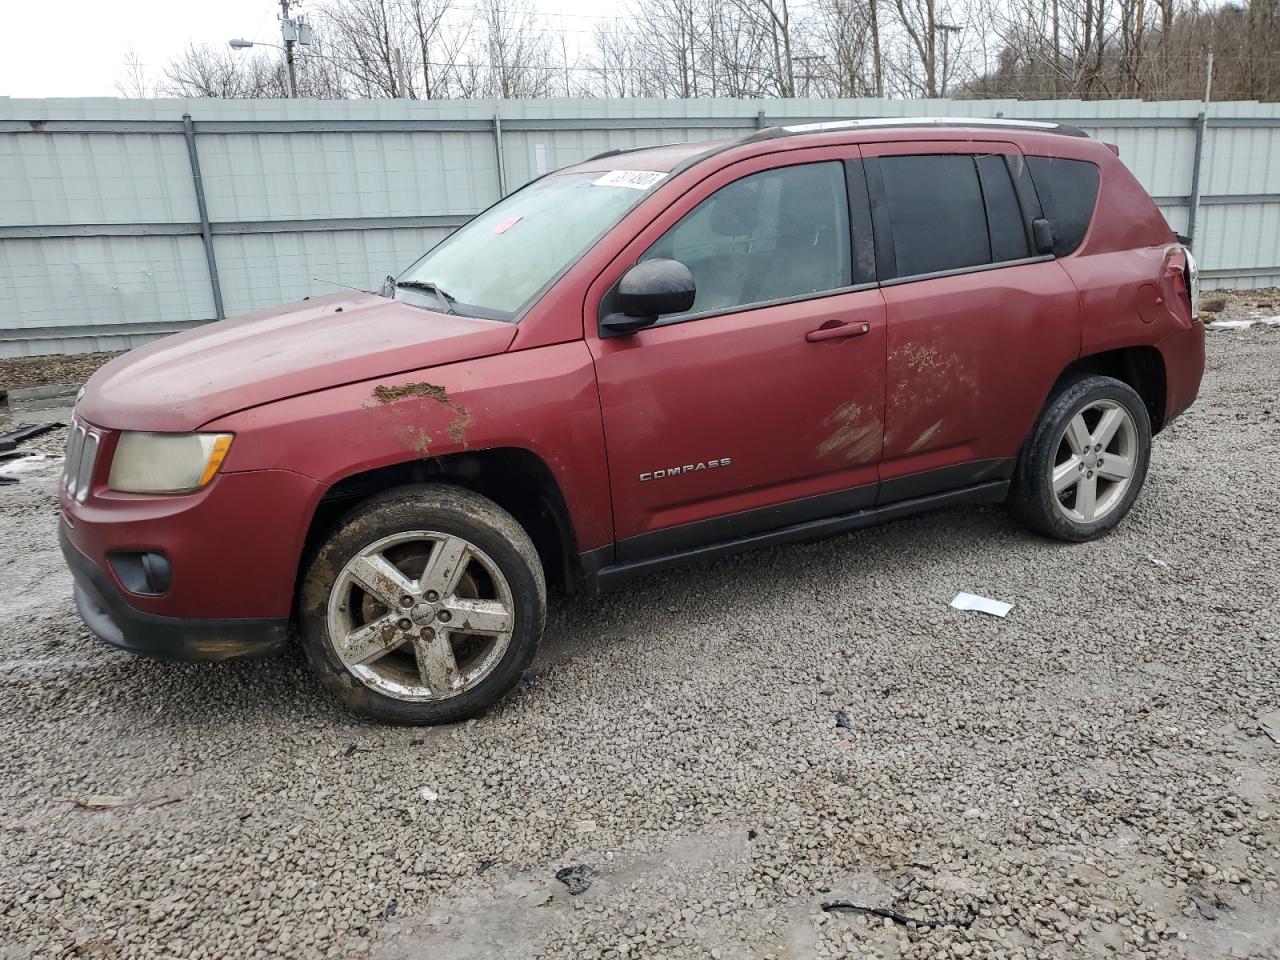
[[291, 31], [288, 56]]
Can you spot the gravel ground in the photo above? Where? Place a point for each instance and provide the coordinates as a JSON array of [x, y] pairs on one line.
[[18, 372], [726, 747]]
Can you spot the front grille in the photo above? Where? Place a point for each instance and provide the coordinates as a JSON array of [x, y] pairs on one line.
[[82, 453]]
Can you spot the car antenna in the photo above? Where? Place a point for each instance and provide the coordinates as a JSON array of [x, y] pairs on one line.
[[337, 284]]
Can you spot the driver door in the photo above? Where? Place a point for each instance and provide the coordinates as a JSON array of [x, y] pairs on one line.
[[763, 406]]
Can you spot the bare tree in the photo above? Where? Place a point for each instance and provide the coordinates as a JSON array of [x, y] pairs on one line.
[[613, 67], [669, 44], [519, 55], [773, 18], [133, 82], [740, 62], [843, 29], [205, 72], [435, 49], [929, 50], [202, 71], [368, 37]]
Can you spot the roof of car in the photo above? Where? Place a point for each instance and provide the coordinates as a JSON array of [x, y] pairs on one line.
[[670, 157]]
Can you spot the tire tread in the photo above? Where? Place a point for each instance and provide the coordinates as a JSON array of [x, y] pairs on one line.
[[1031, 498], [417, 506]]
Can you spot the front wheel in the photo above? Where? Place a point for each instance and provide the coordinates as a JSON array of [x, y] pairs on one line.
[[1086, 461], [424, 606]]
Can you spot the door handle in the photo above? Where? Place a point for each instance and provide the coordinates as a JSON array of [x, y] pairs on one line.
[[837, 331]]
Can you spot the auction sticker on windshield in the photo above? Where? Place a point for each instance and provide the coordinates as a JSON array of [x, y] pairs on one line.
[[635, 179], [506, 225]]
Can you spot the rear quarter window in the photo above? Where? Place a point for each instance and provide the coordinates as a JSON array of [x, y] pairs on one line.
[[1068, 190]]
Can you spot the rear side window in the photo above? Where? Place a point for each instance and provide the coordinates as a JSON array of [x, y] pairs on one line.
[[935, 206], [1068, 190]]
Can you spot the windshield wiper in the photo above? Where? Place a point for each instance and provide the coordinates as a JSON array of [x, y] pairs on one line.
[[444, 299]]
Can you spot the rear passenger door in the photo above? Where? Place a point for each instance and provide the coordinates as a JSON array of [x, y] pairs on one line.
[[979, 325]]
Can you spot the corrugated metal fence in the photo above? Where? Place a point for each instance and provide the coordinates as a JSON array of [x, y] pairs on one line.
[[123, 219]]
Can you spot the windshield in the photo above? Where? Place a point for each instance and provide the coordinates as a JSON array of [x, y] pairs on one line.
[[503, 258]]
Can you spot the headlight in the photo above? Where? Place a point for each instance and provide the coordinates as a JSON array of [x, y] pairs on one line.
[[166, 462]]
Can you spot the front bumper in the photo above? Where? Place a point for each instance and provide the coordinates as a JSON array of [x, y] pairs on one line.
[[105, 612]]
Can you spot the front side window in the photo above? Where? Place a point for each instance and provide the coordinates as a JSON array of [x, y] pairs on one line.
[[499, 261], [774, 235]]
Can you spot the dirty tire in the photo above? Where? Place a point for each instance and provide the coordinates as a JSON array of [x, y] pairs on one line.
[[452, 511], [1032, 499]]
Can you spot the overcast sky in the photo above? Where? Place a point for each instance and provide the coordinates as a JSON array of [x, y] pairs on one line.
[[78, 47]]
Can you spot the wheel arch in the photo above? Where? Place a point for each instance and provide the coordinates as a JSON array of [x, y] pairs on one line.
[[516, 479], [1141, 367]]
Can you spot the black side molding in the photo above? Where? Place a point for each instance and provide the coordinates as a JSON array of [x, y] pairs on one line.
[[602, 577], [916, 485]]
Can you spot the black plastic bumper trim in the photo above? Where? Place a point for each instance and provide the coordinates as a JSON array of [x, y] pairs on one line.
[[106, 613]]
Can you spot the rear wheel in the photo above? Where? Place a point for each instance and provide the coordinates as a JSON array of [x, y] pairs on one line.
[[1086, 461], [425, 605]]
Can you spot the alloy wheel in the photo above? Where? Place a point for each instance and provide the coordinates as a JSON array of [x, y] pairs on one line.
[[421, 615], [1096, 458]]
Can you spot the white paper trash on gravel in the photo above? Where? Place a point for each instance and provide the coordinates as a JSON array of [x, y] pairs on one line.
[[35, 461], [1244, 324], [971, 601]]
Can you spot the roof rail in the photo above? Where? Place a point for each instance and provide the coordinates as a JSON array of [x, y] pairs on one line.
[[873, 123], [616, 151], [610, 153]]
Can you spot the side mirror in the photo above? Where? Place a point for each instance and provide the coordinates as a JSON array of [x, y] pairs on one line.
[[647, 291], [1043, 234]]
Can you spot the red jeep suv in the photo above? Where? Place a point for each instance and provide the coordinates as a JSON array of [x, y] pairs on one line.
[[656, 356]]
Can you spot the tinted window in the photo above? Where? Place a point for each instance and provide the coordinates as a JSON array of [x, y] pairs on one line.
[[1004, 217], [1067, 191], [775, 234], [935, 207]]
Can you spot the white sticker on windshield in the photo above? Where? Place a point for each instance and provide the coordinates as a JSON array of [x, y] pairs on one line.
[[635, 179]]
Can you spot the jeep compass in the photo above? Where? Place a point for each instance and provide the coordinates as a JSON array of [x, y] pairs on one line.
[[656, 356]]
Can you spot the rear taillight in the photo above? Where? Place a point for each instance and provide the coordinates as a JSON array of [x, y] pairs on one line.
[[1180, 280], [1192, 278]]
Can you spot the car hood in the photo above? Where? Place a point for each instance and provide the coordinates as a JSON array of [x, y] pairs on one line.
[[184, 381]]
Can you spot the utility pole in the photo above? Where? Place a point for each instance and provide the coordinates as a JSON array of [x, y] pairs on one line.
[[877, 71], [1202, 126], [946, 29], [402, 86], [806, 64], [290, 33]]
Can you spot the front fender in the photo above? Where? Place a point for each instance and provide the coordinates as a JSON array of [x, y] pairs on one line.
[[543, 400]]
